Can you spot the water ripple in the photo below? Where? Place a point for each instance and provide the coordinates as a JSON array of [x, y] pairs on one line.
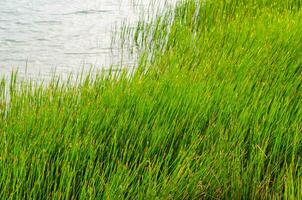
[[85, 12]]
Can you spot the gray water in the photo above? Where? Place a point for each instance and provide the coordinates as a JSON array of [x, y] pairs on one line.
[[40, 37]]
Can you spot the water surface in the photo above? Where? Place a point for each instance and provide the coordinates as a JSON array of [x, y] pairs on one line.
[[42, 36]]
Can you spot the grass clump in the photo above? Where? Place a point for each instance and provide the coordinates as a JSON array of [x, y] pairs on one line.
[[214, 110]]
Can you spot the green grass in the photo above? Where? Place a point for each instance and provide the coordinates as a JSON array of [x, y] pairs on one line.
[[214, 110]]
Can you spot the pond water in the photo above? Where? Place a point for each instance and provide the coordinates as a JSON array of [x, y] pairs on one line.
[[40, 37]]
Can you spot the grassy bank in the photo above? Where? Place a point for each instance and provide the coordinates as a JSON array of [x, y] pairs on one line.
[[214, 110]]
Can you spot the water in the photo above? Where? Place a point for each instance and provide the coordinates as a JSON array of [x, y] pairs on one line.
[[38, 37]]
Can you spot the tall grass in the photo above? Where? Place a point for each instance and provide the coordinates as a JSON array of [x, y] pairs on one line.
[[214, 110]]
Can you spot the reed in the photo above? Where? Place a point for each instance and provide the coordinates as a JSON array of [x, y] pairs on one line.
[[213, 110]]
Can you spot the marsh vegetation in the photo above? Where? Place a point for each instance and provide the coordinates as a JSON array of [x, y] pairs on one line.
[[213, 110]]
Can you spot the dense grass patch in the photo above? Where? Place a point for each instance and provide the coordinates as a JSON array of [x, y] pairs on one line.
[[214, 110]]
